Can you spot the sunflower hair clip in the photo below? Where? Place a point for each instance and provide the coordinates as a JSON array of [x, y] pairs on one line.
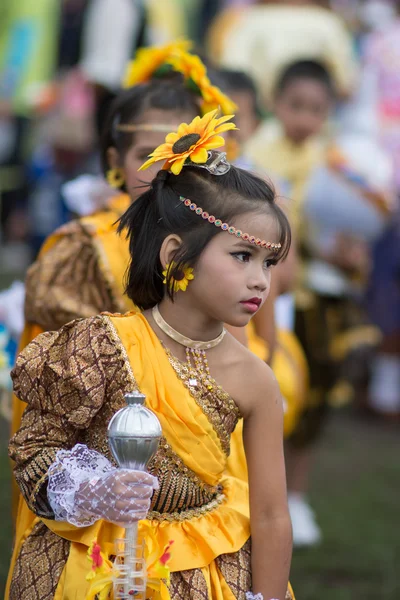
[[194, 144]]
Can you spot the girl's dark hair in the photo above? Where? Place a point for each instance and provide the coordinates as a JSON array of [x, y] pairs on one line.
[[305, 69], [168, 93], [239, 81], [158, 212]]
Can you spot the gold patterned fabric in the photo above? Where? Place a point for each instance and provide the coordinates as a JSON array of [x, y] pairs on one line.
[[236, 570], [48, 553], [66, 282], [60, 407]]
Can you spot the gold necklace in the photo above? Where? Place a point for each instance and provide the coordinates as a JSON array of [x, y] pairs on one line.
[[182, 339], [195, 350]]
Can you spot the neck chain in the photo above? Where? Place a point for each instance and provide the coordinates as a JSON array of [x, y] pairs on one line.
[[195, 350]]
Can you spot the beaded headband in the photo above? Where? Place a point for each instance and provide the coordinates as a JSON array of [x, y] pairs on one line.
[[232, 230], [131, 128]]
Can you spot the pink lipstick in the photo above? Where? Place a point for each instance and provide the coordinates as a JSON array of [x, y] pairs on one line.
[[252, 305]]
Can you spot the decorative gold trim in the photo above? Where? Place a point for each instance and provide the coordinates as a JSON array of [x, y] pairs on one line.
[[204, 396], [36, 490], [185, 515], [171, 455]]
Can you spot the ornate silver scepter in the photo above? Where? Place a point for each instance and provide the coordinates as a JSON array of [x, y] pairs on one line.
[[133, 435]]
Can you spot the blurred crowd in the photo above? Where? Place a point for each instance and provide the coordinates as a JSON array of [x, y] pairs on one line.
[[317, 85]]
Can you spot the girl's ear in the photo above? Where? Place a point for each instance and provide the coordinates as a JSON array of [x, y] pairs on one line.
[[169, 248], [113, 158]]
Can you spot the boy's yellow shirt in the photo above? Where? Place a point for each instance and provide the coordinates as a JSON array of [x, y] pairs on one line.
[[291, 163]]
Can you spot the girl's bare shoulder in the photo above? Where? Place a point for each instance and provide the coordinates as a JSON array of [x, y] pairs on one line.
[[252, 378]]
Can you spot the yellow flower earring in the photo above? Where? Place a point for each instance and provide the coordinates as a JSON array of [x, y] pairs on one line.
[[116, 177], [181, 279]]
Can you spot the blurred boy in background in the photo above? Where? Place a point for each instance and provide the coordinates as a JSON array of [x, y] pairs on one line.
[[291, 145], [336, 215]]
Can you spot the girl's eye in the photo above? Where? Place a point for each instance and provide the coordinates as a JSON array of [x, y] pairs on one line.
[[243, 257], [269, 262]]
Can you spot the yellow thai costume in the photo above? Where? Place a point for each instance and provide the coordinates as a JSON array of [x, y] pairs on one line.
[[73, 381]]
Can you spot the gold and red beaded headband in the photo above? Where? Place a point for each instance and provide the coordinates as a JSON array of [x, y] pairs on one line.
[[229, 228]]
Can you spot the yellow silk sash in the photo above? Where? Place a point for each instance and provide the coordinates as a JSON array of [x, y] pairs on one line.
[[190, 434]]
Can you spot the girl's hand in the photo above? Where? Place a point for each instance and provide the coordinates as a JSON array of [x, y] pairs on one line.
[[83, 487], [121, 496]]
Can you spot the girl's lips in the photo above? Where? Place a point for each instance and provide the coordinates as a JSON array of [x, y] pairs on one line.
[[252, 305]]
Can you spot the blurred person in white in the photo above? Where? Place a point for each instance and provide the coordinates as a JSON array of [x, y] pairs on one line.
[[114, 29], [270, 35], [112, 32], [382, 91]]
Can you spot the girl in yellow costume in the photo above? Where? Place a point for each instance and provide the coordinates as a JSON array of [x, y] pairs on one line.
[[190, 275]]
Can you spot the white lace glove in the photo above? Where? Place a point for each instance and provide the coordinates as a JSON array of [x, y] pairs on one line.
[[250, 596], [83, 487]]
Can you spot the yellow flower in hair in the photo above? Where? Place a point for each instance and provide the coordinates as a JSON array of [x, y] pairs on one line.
[[149, 60], [191, 142], [192, 67], [181, 280], [214, 98]]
